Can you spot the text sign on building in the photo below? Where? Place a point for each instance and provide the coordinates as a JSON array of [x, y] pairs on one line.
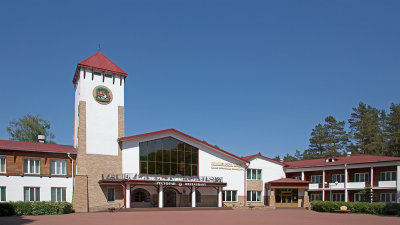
[[135, 176], [225, 166]]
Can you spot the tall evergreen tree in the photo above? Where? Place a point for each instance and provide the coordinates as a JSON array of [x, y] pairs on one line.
[[364, 129], [327, 140], [393, 130]]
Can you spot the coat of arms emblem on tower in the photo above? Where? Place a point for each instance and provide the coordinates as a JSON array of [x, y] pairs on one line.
[[102, 95]]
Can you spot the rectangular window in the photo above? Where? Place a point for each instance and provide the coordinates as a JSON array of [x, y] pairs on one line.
[[31, 194], [168, 156], [58, 194], [361, 177], [316, 179], [253, 174], [338, 197], [388, 176], [254, 196], [357, 197], [2, 194], [229, 196], [32, 166], [58, 167], [297, 177], [110, 194], [2, 164], [316, 197], [388, 197], [338, 177]]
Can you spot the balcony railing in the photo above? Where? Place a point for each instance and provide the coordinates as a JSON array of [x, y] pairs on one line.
[[356, 185], [387, 184], [336, 186], [136, 176], [313, 186]]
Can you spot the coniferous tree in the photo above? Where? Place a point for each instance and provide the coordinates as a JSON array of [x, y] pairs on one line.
[[364, 129], [393, 130], [327, 140]]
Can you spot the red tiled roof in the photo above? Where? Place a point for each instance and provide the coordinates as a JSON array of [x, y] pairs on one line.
[[36, 147], [289, 181], [186, 135], [98, 61], [250, 157], [341, 160]]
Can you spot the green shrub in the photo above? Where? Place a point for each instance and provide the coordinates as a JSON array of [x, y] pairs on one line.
[[6, 209], [34, 208], [357, 207]]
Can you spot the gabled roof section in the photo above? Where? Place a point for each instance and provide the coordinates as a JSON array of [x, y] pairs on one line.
[[289, 181], [186, 135], [251, 157], [36, 147], [341, 160], [98, 61]]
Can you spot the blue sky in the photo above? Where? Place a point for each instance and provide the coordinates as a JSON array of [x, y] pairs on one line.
[[248, 76]]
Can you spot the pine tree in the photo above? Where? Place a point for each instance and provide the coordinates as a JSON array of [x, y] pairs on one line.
[[327, 140], [393, 130], [364, 129]]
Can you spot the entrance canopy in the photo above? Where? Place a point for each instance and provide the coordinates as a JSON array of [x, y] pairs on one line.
[[287, 183]]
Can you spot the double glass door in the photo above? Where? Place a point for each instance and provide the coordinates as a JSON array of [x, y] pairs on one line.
[[286, 197]]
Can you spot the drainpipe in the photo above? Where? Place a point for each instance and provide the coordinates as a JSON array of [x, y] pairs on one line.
[[72, 170]]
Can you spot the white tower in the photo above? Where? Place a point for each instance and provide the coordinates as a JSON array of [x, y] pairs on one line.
[[99, 122]]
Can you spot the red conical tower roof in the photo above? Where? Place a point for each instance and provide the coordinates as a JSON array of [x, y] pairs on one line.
[[98, 61]]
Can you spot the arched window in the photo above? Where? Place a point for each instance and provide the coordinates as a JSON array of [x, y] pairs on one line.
[[140, 195]]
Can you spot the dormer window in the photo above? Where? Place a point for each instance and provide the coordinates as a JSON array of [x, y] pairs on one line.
[[330, 160]]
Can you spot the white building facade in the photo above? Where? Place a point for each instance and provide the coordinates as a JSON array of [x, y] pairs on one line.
[[168, 168]]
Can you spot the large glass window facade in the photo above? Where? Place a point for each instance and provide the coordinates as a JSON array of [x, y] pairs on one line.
[[168, 156]]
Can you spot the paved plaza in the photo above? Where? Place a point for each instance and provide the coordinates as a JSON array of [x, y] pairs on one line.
[[206, 217]]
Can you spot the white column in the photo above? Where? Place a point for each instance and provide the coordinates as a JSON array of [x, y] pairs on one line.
[[302, 175], [372, 183], [127, 195], [345, 182], [160, 197], [398, 183], [323, 185], [193, 196], [220, 197]]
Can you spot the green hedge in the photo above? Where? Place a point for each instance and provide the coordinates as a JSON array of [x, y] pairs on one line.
[[358, 207], [34, 208]]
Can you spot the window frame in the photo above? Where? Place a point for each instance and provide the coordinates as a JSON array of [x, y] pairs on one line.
[[55, 165], [313, 181], [258, 174], [392, 196], [316, 194], [341, 175], [3, 198], [391, 173], [224, 195], [359, 197], [5, 164], [63, 194], [366, 177], [296, 177], [28, 172], [250, 194], [36, 197], [108, 194], [334, 195]]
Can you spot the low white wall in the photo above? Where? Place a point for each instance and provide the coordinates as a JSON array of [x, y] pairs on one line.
[[15, 186]]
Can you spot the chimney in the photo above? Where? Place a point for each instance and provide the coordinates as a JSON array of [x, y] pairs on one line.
[[41, 138], [348, 153]]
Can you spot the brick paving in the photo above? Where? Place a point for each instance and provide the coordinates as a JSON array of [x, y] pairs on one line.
[[206, 217]]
